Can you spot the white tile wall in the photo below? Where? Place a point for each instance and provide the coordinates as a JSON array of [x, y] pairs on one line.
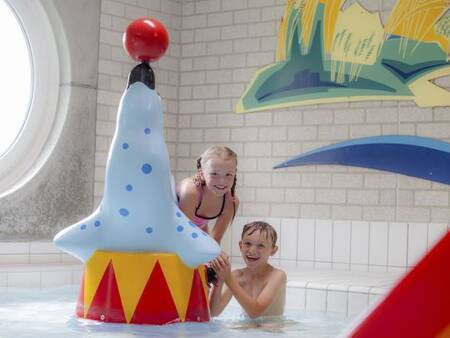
[[357, 302], [316, 300], [337, 301], [397, 244], [378, 245], [417, 242], [359, 243], [344, 245], [341, 242], [37, 265], [306, 240]]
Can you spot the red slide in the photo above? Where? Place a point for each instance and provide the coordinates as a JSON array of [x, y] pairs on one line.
[[419, 305]]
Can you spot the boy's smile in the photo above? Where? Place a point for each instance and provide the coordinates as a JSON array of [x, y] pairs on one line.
[[256, 248]]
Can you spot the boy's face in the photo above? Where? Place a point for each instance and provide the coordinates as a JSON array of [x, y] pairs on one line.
[[219, 174], [256, 248]]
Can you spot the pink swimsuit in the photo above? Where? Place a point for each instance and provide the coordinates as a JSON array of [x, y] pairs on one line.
[[199, 220]]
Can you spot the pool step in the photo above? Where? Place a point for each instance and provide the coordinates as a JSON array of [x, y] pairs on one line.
[[340, 291]]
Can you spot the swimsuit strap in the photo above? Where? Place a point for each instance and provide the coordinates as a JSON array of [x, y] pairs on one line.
[[200, 189]]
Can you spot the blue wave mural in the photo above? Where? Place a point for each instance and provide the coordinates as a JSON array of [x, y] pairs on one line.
[[414, 156]]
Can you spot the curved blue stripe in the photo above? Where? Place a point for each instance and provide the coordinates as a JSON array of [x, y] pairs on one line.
[[391, 139], [409, 155]]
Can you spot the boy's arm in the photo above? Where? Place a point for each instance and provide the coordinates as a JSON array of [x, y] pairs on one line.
[[219, 298], [255, 307]]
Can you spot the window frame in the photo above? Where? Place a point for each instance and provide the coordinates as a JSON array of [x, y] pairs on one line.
[[48, 104]]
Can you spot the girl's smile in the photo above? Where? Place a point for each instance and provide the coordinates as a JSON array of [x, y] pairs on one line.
[[219, 174]]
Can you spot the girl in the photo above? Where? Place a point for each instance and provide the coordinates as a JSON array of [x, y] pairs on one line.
[[209, 194]]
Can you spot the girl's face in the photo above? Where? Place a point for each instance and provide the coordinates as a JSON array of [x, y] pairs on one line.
[[256, 248], [219, 174]]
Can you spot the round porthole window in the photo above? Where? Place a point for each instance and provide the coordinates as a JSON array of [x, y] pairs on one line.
[[30, 95], [16, 81]]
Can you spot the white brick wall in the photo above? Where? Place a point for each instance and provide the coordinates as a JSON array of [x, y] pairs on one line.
[[338, 244], [215, 48]]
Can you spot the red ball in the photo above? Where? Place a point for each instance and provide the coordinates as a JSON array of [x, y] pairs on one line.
[[145, 39]]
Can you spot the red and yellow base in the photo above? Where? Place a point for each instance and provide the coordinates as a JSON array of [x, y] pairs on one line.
[[142, 288]]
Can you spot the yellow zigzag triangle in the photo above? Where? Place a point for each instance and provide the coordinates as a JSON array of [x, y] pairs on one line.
[[179, 278], [132, 273], [93, 273]]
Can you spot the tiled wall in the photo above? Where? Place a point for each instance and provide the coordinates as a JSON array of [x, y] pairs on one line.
[[37, 265], [344, 245], [327, 216], [222, 44]]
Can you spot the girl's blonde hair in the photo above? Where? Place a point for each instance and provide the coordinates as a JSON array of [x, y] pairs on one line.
[[214, 151]]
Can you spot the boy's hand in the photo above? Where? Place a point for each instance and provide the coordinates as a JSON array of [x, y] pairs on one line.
[[222, 266]]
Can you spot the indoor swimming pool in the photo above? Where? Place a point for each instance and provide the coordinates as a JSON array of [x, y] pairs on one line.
[[50, 313]]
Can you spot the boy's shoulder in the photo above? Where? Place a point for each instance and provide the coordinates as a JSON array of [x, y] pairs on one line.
[[279, 272]]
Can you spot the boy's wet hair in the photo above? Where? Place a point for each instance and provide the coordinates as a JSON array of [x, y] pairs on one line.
[[264, 228]]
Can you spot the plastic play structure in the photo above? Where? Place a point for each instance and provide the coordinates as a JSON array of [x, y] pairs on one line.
[[143, 257]]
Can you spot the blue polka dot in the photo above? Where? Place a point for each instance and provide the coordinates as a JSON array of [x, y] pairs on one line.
[[83, 226], [149, 230], [192, 224], [125, 145], [194, 235], [178, 214], [147, 131], [146, 168], [97, 223], [124, 212], [129, 187], [180, 228]]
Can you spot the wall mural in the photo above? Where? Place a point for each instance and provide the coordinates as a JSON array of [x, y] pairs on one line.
[[414, 156], [328, 54]]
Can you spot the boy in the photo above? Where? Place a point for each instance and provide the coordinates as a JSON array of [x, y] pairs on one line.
[[259, 287]]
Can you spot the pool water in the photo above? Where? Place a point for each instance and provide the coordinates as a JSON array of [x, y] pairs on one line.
[[50, 313]]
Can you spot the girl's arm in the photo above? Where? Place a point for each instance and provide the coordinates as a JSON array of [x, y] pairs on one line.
[[256, 307], [226, 218], [188, 195]]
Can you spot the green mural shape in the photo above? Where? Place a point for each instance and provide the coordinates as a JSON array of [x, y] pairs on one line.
[[399, 72]]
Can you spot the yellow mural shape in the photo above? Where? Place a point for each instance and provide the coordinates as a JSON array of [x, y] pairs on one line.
[[357, 39], [326, 53], [416, 19], [330, 18]]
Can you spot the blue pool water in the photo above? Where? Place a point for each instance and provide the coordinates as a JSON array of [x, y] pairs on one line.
[[49, 313]]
